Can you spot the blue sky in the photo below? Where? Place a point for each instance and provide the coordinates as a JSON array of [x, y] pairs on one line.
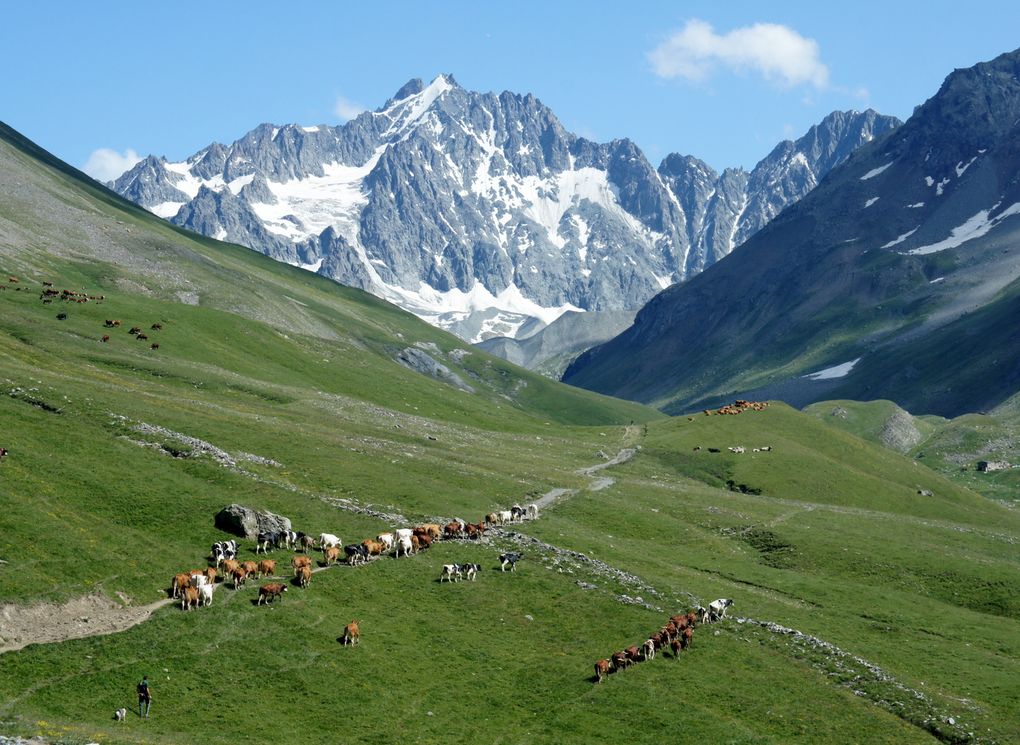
[[721, 81]]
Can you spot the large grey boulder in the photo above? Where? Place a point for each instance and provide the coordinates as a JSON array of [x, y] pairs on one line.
[[244, 521]]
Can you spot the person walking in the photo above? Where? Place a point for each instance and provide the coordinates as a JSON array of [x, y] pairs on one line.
[[144, 697]]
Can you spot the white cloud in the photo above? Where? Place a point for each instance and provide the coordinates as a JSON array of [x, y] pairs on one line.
[[106, 165], [347, 109], [777, 53]]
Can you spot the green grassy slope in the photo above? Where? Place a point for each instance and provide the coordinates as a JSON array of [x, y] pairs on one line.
[[953, 447], [281, 364]]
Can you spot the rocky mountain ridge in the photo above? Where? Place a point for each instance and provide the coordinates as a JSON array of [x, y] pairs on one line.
[[479, 212]]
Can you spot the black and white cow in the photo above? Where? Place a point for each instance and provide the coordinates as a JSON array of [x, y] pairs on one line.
[[471, 570], [224, 551], [266, 539], [451, 573], [356, 553], [717, 608], [509, 559]]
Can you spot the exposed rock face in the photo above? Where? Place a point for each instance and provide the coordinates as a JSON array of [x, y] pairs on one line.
[[244, 521], [420, 361], [479, 212]]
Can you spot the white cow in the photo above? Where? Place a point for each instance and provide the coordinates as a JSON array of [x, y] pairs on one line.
[[198, 580], [403, 546], [648, 649], [532, 511], [505, 516], [205, 594], [386, 539], [717, 608], [401, 533], [328, 540]]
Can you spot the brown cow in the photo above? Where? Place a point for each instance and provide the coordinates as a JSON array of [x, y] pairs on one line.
[[633, 653], [210, 576], [300, 561], [433, 530], [331, 555], [179, 582], [304, 575], [106, 337], [267, 568], [135, 330], [250, 567], [154, 346], [601, 670], [374, 548], [676, 646], [492, 519], [453, 530], [352, 634], [189, 598], [270, 592], [416, 543], [239, 576], [620, 660], [686, 637], [472, 530], [141, 337], [229, 565], [424, 542], [156, 326]]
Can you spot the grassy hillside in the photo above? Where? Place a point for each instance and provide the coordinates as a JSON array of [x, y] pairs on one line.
[[953, 447], [277, 389]]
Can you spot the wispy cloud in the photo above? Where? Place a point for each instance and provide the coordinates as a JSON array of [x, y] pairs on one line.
[[778, 53], [105, 164], [346, 109]]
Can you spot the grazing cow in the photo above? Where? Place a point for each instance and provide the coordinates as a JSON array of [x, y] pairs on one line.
[[404, 546], [205, 595], [633, 653], [686, 637], [717, 608], [532, 511], [331, 555], [267, 568], [239, 576], [271, 592], [135, 330], [620, 661], [451, 573], [300, 561], [352, 634], [179, 582], [452, 530], [303, 574], [471, 570], [648, 650], [327, 540], [142, 337], [154, 346], [356, 553], [189, 598], [106, 338], [601, 670], [509, 559], [386, 539], [156, 326], [250, 567], [265, 540]]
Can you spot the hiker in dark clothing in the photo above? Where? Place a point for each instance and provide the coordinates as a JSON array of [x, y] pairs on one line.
[[144, 697]]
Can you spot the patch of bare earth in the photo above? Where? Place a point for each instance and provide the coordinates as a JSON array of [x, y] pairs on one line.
[[89, 615]]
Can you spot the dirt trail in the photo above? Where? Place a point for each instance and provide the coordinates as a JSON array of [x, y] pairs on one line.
[[597, 484], [89, 615]]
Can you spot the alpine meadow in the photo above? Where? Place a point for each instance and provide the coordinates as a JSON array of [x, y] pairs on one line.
[[845, 572]]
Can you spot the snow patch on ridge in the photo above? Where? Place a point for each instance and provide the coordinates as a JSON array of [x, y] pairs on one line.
[[875, 171], [975, 227], [836, 371]]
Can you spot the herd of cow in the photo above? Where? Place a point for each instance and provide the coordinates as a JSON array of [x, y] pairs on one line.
[[195, 588], [676, 635]]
